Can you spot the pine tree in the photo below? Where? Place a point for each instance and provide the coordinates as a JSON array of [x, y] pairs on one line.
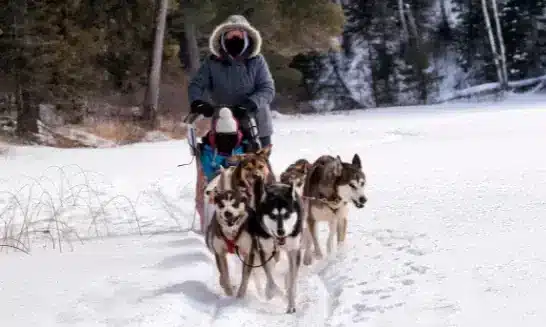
[[521, 33], [472, 45], [415, 70], [47, 56], [376, 24], [540, 46]]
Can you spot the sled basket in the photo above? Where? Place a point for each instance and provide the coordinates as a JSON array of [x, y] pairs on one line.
[[208, 162]]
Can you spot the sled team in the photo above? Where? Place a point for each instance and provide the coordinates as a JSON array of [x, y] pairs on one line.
[[245, 209]]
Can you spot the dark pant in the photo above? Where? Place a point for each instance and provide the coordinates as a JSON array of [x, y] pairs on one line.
[[265, 140], [253, 146], [246, 126]]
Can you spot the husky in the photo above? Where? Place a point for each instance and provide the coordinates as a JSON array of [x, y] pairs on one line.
[[330, 186], [239, 176], [279, 224], [295, 174], [226, 232], [243, 172]]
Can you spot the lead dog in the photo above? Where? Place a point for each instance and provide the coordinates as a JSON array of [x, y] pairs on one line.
[[227, 233], [330, 187]]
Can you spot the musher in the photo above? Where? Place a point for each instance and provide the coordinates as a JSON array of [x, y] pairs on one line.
[[237, 76]]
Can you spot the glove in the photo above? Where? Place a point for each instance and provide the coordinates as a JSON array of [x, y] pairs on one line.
[[202, 107], [242, 110], [239, 112]]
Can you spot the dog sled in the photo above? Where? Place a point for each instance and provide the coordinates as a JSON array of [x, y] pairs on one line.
[[209, 161], [257, 218]]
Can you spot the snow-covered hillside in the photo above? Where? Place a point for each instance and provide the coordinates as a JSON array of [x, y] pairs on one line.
[[453, 233]]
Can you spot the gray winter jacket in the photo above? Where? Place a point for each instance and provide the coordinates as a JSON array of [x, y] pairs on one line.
[[226, 81]]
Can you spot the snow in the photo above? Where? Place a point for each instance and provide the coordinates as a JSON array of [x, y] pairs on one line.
[[536, 82], [452, 235]]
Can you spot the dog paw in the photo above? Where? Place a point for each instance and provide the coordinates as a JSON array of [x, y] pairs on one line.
[[307, 259], [240, 294], [272, 290], [229, 290], [291, 310], [319, 255]]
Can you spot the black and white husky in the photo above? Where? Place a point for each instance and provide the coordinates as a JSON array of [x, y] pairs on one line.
[[278, 226]]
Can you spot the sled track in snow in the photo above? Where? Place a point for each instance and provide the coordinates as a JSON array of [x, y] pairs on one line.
[[313, 305], [313, 302]]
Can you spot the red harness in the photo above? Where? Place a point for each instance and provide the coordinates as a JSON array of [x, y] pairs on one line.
[[231, 246]]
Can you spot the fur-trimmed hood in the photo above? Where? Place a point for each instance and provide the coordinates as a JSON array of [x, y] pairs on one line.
[[235, 21]]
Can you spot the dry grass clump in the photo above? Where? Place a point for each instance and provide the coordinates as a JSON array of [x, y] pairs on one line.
[[118, 131]]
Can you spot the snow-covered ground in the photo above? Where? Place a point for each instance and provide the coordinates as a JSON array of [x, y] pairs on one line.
[[453, 234]]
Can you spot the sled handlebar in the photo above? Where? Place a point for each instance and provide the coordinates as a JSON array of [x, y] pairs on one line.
[[192, 117]]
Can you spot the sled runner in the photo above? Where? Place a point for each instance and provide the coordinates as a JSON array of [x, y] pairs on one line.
[[209, 157]]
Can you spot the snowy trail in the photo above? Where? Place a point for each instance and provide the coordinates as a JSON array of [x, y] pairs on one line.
[[453, 233], [313, 302]]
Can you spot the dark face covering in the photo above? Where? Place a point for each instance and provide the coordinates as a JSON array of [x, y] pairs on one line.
[[235, 43], [234, 46], [226, 142]]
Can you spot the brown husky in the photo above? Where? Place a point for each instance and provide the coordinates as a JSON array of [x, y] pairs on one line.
[[330, 185], [295, 174], [247, 167]]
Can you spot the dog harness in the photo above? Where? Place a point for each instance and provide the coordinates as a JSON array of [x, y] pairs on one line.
[[231, 246]]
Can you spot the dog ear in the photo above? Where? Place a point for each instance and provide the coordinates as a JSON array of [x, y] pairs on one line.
[[303, 165], [264, 152], [337, 166], [211, 194], [216, 199], [293, 192], [236, 158], [306, 167], [356, 161]]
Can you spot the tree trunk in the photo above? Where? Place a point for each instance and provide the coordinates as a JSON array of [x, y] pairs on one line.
[[413, 26], [504, 69], [190, 34], [443, 10], [403, 19], [28, 112], [419, 66], [492, 41], [154, 73]]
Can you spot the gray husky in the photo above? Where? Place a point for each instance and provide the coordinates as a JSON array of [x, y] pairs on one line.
[[330, 186]]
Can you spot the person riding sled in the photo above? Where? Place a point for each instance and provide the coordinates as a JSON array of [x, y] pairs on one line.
[[236, 76]]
